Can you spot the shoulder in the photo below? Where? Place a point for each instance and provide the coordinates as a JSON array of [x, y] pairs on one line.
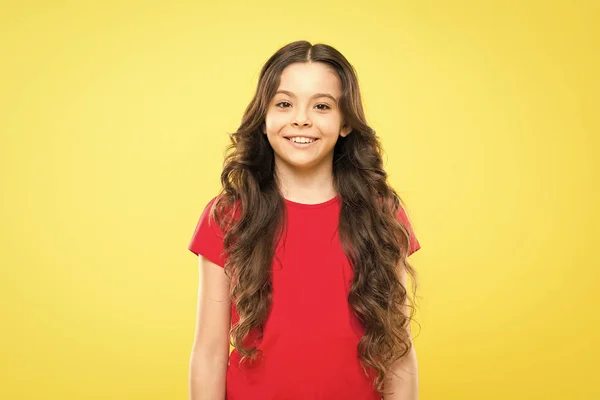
[[221, 212], [403, 218], [208, 236]]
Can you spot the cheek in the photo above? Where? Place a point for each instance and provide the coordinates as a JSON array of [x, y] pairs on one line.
[[274, 122], [329, 126]]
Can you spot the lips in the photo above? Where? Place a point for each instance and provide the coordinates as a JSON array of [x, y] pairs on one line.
[[299, 145], [291, 137], [307, 137]]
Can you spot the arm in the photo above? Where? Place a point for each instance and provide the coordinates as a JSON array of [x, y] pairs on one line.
[[210, 352], [405, 386]]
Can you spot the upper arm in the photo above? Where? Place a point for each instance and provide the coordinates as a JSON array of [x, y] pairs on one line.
[[413, 246], [406, 305], [214, 311]]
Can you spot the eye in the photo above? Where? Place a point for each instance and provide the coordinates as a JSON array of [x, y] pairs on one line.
[[324, 105], [283, 102]]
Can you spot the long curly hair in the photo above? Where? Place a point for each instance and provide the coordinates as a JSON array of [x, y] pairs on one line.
[[250, 211]]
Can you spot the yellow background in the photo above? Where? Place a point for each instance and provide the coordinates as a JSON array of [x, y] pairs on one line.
[[113, 122]]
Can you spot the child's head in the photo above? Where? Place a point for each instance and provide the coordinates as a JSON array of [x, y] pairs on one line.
[[306, 108], [309, 92]]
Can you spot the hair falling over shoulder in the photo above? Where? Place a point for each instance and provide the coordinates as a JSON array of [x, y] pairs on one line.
[[374, 241]]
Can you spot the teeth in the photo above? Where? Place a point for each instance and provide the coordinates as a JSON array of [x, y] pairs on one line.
[[302, 140]]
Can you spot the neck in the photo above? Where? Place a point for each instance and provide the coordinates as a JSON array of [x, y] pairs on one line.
[[306, 185]]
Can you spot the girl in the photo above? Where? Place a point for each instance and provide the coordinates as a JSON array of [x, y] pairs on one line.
[[303, 254]]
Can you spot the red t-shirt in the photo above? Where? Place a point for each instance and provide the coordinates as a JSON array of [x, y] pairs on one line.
[[311, 335]]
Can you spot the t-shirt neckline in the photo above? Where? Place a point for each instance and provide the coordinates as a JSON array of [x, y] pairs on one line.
[[312, 206]]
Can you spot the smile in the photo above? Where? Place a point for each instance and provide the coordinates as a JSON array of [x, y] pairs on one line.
[[301, 145]]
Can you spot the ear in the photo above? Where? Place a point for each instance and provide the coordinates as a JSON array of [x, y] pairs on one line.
[[346, 129]]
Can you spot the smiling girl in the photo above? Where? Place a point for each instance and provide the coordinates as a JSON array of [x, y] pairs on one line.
[[303, 253]]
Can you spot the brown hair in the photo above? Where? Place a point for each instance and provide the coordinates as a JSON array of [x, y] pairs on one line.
[[372, 237]]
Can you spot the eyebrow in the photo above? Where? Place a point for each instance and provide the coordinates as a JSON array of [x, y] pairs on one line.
[[314, 96]]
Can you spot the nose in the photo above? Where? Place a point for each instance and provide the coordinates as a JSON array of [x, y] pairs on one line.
[[300, 119]]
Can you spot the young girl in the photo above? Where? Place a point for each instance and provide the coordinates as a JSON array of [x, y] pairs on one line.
[[303, 254]]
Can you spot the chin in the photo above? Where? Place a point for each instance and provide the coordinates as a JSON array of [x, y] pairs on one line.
[[302, 163]]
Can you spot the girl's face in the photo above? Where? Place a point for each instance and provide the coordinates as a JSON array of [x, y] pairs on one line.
[[305, 107]]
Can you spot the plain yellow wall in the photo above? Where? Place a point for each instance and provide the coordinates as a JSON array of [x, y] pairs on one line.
[[113, 124]]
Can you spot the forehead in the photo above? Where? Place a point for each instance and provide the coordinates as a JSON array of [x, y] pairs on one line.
[[308, 78]]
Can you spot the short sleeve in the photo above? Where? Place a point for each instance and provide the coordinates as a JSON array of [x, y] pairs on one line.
[[207, 239], [414, 244]]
